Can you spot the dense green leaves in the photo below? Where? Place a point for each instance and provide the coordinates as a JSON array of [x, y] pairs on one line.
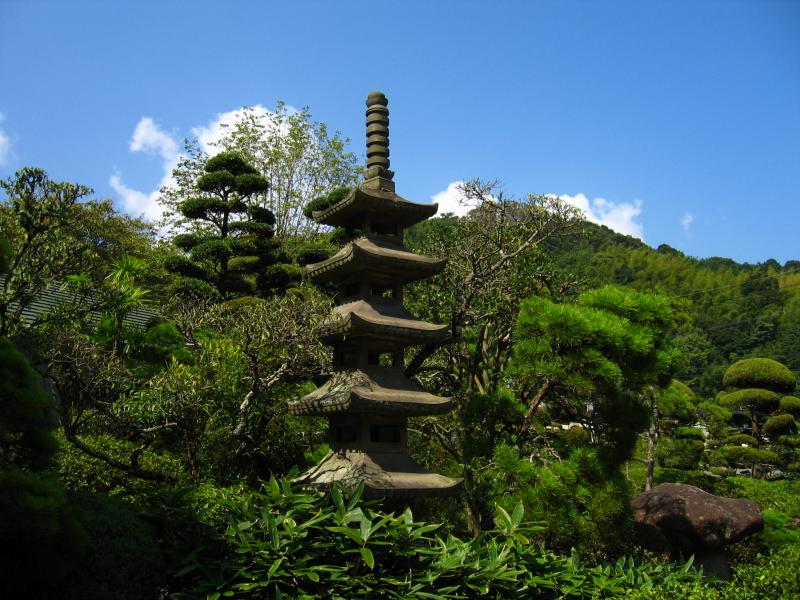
[[292, 542], [233, 247], [760, 373], [324, 202]]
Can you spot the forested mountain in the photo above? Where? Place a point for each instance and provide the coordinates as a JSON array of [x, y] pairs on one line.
[[735, 310]]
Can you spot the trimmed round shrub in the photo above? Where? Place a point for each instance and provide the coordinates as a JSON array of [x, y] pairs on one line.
[[739, 455], [187, 241], [245, 264], [679, 453], [262, 215], [779, 424], [282, 275], [313, 253], [183, 266], [197, 208], [689, 433], [230, 161], [790, 404], [216, 180], [252, 227], [677, 401], [324, 202], [760, 373], [211, 249], [739, 439], [792, 441], [757, 399]]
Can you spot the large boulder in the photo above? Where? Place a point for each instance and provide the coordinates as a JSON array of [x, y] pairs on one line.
[[687, 520]]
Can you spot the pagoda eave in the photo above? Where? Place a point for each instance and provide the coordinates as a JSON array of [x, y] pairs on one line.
[[353, 326], [381, 318], [387, 259], [389, 475], [380, 390], [385, 203]]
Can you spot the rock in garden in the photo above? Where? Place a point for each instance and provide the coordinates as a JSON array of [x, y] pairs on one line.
[[692, 521]]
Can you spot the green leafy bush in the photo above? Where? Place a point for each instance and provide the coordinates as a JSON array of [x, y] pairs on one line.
[[746, 457], [41, 539], [739, 439], [771, 576], [323, 202], [314, 253], [581, 503], [81, 472], [689, 433], [679, 453], [759, 399], [760, 373], [690, 477], [790, 404], [780, 424], [282, 541]]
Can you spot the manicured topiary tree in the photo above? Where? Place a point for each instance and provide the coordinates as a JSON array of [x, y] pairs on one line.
[[232, 247], [761, 384], [680, 446]]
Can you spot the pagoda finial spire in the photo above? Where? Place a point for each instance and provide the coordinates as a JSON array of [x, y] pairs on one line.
[[377, 137]]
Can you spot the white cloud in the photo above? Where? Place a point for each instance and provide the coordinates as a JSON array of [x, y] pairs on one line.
[[686, 221], [451, 200], [149, 138], [619, 216], [5, 144], [209, 135]]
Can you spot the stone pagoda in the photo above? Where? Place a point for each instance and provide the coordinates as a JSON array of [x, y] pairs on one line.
[[368, 399]]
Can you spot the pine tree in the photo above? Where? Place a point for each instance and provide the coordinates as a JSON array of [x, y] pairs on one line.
[[232, 247]]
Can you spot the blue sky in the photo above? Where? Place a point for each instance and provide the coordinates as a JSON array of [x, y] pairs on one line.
[[676, 121]]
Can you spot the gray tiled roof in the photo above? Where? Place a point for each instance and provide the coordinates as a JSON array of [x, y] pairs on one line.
[[53, 297]]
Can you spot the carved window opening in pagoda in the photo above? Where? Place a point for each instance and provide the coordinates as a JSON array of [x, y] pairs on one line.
[[381, 358], [384, 291], [352, 289], [385, 229], [345, 434], [385, 434], [348, 360]]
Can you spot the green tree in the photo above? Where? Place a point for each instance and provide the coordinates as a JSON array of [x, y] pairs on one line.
[[54, 232], [235, 255], [298, 156], [669, 438], [755, 387], [591, 361], [494, 261], [224, 409]]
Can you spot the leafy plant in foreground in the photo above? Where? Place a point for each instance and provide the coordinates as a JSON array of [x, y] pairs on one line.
[[285, 542]]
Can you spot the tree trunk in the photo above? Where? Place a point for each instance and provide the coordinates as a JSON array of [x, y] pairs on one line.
[[471, 511], [652, 438]]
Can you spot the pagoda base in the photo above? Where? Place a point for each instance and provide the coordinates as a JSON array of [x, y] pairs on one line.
[[384, 475]]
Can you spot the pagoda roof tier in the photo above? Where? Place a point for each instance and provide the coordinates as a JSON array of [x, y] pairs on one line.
[[386, 319], [381, 390], [385, 475], [382, 202], [376, 254]]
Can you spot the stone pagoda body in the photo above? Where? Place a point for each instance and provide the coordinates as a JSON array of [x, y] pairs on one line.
[[368, 399]]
